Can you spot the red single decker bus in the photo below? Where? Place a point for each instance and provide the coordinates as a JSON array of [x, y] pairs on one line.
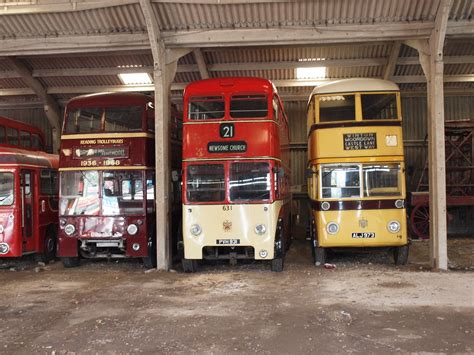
[[107, 185], [236, 172], [28, 193]]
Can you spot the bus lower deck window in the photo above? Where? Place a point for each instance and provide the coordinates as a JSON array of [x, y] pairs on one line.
[[6, 189], [205, 183], [249, 181], [340, 181]]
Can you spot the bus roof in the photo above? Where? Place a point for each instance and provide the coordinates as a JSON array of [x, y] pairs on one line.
[[16, 156], [355, 85], [230, 84], [109, 98]]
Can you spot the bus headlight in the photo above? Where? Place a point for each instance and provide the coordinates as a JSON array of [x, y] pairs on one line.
[[260, 229], [132, 229], [69, 229], [393, 226], [195, 229], [325, 205], [332, 228], [399, 203]]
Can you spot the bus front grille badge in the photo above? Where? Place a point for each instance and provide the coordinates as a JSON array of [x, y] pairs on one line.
[[227, 226], [363, 223]]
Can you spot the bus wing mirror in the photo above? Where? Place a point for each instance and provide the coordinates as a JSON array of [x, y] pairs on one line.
[[280, 171]]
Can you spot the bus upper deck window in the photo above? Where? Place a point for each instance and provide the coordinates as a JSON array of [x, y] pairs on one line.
[[3, 136], [123, 119], [36, 142], [84, 120], [12, 135], [334, 108], [25, 139], [206, 108], [379, 106], [248, 106]]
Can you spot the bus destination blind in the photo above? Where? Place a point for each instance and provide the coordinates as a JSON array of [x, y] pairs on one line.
[[360, 141], [227, 147]]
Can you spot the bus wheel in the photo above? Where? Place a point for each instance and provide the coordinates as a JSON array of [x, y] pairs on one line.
[[189, 265], [400, 255], [69, 262], [277, 265], [48, 252]]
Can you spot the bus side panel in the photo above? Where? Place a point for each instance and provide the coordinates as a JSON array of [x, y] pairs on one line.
[[361, 221], [67, 246], [11, 222]]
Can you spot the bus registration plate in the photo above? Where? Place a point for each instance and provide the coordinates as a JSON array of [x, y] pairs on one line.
[[227, 241], [361, 235]]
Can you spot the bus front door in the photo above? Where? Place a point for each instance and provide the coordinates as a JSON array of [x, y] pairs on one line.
[[27, 208]]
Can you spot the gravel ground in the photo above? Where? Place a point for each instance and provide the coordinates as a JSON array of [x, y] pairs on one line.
[[364, 305]]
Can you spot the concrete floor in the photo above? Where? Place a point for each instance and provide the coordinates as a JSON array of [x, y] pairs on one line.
[[364, 305]]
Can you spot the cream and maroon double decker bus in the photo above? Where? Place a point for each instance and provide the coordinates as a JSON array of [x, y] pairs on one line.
[[236, 172], [28, 193], [356, 165], [107, 179]]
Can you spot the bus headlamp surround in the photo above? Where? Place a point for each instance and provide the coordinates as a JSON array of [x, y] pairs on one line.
[[332, 228], [69, 229], [393, 226], [195, 229], [260, 229], [132, 229]]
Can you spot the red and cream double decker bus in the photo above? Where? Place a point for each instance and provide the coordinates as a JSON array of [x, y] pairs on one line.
[[28, 193], [107, 187], [236, 172]]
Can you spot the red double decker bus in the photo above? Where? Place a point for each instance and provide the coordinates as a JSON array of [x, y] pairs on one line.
[[236, 172], [107, 194], [28, 193]]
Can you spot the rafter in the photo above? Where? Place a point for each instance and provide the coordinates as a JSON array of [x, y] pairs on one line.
[[52, 110], [392, 60], [201, 63]]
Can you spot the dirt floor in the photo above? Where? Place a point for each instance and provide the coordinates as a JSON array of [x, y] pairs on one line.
[[363, 305]]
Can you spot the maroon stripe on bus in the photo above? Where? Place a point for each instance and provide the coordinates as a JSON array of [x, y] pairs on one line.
[[354, 124], [356, 205]]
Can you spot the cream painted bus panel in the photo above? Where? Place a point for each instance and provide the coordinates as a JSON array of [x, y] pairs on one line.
[[218, 222]]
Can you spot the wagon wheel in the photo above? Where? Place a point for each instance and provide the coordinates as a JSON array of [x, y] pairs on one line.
[[420, 221]]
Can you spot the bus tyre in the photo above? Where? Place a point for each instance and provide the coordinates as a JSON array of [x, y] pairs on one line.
[[400, 255], [189, 265], [319, 256], [48, 251], [277, 265], [69, 261]]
